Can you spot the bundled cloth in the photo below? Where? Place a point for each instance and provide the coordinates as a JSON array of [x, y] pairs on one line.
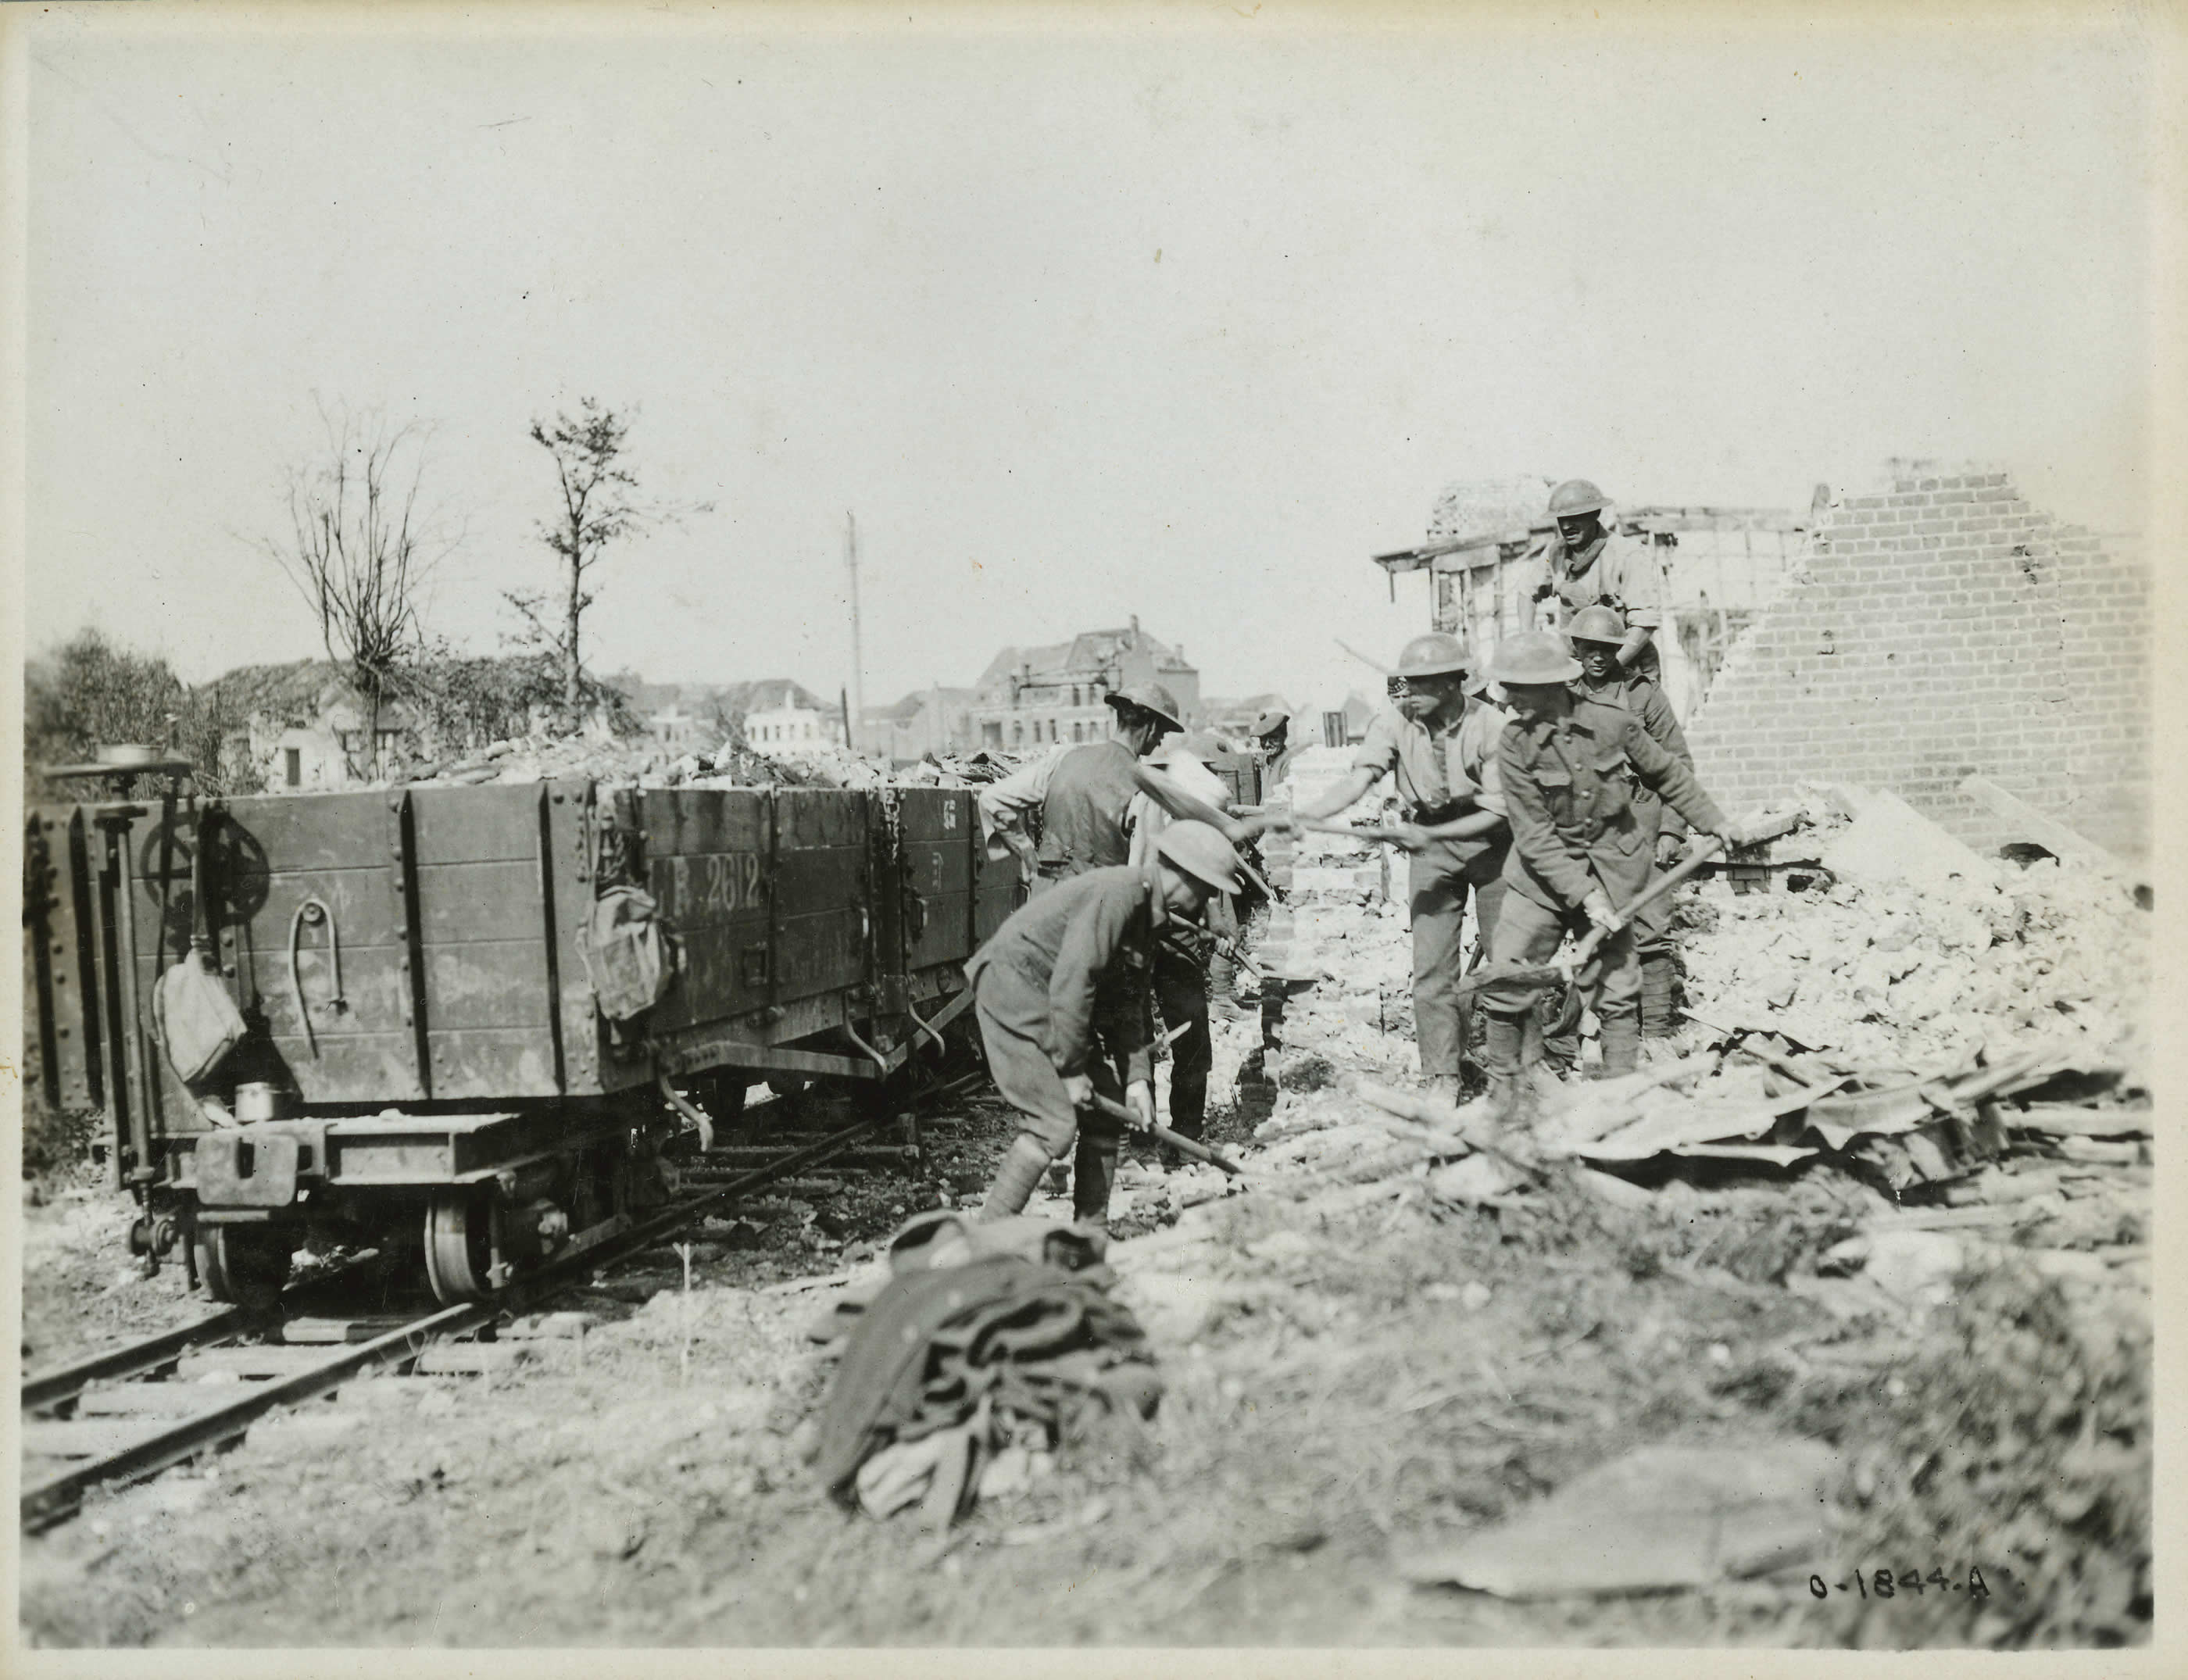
[[987, 1346]]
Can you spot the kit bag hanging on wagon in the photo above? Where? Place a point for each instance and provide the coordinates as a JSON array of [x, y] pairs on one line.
[[630, 955], [194, 1019]]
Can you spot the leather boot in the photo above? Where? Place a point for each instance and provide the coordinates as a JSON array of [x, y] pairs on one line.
[[1658, 1018], [1023, 1164], [1503, 1059], [1093, 1169], [1621, 1045]]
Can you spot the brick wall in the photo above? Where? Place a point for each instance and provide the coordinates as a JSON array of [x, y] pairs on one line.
[[1939, 629]]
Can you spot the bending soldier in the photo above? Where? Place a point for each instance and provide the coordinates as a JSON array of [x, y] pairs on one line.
[[1061, 995], [1597, 634], [1438, 741], [1579, 851]]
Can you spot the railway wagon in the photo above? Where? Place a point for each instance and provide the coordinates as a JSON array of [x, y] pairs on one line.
[[423, 1058]]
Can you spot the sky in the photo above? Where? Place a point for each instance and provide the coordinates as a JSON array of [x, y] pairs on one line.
[[1183, 319]]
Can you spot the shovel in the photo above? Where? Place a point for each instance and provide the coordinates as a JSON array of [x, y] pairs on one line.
[[1188, 1146], [1561, 973]]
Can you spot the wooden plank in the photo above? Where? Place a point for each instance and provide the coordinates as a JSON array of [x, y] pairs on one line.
[[306, 831], [708, 889], [718, 982], [942, 940], [248, 1363], [476, 824], [357, 1067], [2048, 832], [365, 911], [460, 903], [816, 817], [818, 879], [943, 814], [2059, 1120], [492, 1063], [819, 953], [374, 984], [681, 822], [501, 982], [453, 1359], [311, 1331], [93, 1438], [149, 1400]]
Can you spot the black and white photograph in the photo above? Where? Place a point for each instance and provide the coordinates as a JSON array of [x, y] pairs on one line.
[[1315, 831]]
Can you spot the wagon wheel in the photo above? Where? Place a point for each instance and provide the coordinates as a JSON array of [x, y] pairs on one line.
[[457, 1251], [246, 1265]]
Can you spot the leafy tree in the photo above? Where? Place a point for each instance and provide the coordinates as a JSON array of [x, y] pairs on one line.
[[600, 505]]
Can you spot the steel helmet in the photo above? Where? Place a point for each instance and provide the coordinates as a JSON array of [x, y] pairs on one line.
[[1202, 853], [1149, 697], [1433, 655], [1271, 718], [1597, 623], [1538, 656], [1575, 497], [1199, 746]]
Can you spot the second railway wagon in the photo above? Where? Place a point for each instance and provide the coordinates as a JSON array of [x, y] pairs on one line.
[[424, 1060]]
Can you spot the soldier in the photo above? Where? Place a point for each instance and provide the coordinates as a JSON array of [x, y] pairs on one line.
[[1596, 634], [1061, 995], [1180, 969], [1273, 740], [1084, 793], [1578, 851], [1438, 743], [1592, 566]]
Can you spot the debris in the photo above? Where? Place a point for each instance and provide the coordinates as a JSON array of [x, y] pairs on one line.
[[1915, 1265], [1660, 1518]]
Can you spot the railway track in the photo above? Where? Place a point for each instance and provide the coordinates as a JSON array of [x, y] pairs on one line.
[[112, 1419]]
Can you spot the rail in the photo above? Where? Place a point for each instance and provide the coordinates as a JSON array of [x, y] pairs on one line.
[[56, 1499]]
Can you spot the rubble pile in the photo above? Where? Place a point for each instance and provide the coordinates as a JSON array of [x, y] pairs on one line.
[[617, 760], [1910, 949]]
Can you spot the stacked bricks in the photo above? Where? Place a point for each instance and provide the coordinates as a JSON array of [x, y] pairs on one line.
[[1940, 629]]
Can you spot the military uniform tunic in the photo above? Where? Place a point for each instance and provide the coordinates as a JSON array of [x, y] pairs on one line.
[[1568, 785]]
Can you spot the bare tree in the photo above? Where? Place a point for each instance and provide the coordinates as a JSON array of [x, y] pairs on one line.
[[600, 505], [360, 549]]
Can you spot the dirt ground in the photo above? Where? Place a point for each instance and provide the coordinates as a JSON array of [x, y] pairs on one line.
[[1362, 1365]]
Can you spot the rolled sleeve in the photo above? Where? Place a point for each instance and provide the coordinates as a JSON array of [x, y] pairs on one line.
[[1481, 759], [1003, 804], [1631, 578], [1379, 749]]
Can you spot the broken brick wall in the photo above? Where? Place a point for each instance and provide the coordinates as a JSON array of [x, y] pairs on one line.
[[1939, 629]]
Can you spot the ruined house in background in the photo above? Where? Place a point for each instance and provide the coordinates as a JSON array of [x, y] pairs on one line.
[[1719, 567], [303, 726], [1937, 637]]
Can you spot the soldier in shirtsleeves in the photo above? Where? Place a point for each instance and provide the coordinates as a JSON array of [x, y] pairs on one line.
[[1580, 851], [1597, 634], [1591, 564], [1082, 792], [1061, 993], [1438, 743]]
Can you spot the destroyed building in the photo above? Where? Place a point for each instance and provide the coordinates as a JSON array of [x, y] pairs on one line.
[[1938, 630]]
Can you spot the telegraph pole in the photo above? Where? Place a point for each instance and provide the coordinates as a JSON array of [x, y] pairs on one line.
[[858, 657]]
